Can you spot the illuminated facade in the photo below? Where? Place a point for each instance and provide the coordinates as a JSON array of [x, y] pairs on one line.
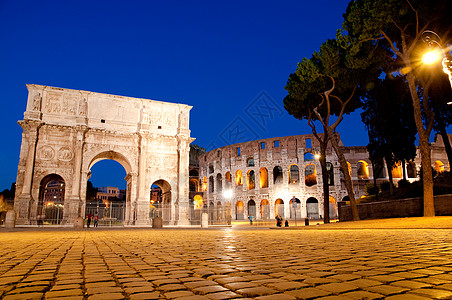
[[282, 176]]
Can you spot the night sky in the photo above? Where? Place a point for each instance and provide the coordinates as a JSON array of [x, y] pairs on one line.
[[230, 60]]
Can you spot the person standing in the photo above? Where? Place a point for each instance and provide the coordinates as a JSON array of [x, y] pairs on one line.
[[88, 220], [95, 220]]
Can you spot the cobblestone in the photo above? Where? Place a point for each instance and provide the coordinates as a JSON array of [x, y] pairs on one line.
[[232, 263]]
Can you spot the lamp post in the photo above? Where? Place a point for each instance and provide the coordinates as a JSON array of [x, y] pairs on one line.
[[437, 52]]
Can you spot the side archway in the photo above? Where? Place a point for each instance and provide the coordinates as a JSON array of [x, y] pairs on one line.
[[160, 204], [50, 208], [312, 208]]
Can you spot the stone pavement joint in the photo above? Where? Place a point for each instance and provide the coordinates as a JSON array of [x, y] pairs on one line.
[[235, 263]]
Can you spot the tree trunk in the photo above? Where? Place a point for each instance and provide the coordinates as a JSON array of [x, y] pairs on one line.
[[389, 166], [424, 147], [347, 177], [375, 178], [326, 188], [404, 169], [447, 146]]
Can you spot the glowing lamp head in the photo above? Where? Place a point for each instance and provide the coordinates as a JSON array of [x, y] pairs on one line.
[[227, 194], [431, 57], [317, 156]]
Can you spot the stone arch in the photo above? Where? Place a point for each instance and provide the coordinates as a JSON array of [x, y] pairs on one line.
[[295, 208], [239, 210], [277, 175], [310, 175], [279, 207], [294, 174], [116, 156], [333, 208], [312, 208], [250, 180], [238, 178], [308, 156], [50, 208], [193, 173], [227, 180], [198, 202], [193, 185], [263, 178], [163, 201], [211, 185], [204, 184], [219, 183], [250, 162], [411, 170], [363, 169], [265, 209], [346, 198], [252, 208], [397, 171], [439, 166]]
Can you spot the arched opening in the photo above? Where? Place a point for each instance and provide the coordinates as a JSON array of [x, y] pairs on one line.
[[238, 178], [265, 209], [219, 183], [277, 175], [333, 208], [211, 169], [211, 186], [439, 166], [193, 173], [228, 180], [51, 200], [295, 208], [330, 170], [160, 204], [363, 170], [411, 170], [204, 184], [397, 171], [312, 208], [193, 185], [250, 162], [346, 198], [263, 178], [252, 209], [250, 180], [196, 205], [106, 197], [198, 202], [310, 175], [308, 156], [239, 210], [294, 174], [279, 208]]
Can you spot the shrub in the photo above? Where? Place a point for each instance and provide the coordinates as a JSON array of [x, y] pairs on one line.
[[403, 183], [385, 186], [371, 189]]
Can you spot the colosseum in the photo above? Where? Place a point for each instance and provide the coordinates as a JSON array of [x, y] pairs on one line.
[[282, 176]]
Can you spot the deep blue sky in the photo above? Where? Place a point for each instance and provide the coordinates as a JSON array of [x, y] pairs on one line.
[[226, 59]]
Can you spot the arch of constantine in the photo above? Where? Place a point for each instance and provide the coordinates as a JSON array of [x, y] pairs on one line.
[[65, 132]]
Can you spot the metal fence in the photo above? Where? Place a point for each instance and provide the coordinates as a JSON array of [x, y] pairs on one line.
[[107, 215]]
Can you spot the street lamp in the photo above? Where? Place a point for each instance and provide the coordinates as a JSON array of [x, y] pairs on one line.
[[437, 52]]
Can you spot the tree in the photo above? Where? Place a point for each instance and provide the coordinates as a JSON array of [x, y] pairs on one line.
[[328, 85], [397, 25], [388, 115]]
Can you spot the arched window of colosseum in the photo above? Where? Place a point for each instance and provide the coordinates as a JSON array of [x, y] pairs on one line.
[[346, 198], [294, 174], [211, 169], [263, 178], [439, 166], [265, 209], [193, 185], [277, 175], [330, 170], [279, 207], [238, 177], [397, 171], [211, 187], [219, 182], [308, 156], [310, 175], [295, 208], [411, 170], [250, 162], [204, 184], [349, 166], [250, 180], [197, 202], [193, 173], [252, 208], [228, 179], [239, 211], [363, 170]]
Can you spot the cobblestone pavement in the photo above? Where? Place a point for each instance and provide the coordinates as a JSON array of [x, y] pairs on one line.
[[226, 264]]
